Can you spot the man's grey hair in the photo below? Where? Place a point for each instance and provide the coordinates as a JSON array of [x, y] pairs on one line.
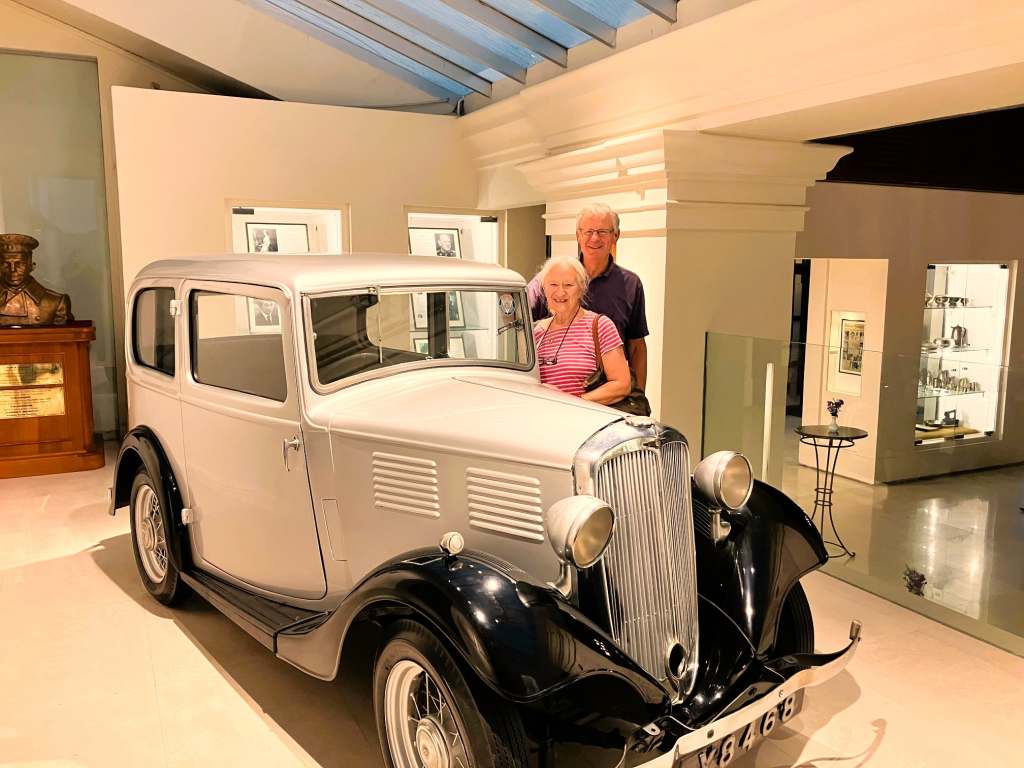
[[569, 262], [598, 209]]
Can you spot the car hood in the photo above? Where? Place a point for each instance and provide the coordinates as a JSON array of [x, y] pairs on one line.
[[505, 416]]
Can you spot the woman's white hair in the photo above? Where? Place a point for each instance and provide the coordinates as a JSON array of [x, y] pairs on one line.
[[598, 209], [568, 262]]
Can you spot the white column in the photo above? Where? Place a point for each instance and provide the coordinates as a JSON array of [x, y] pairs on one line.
[[709, 224]]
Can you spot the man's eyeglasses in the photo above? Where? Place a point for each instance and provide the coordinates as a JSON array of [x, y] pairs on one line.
[[589, 233]]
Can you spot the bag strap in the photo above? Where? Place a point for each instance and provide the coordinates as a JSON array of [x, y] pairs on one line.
[[597, 345]]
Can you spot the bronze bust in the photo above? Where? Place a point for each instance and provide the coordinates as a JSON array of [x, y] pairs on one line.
[[23, 299]]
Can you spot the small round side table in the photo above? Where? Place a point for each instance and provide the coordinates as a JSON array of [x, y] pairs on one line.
[[824, 437]]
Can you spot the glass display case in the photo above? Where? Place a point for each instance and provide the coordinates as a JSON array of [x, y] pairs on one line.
[[960, 383]]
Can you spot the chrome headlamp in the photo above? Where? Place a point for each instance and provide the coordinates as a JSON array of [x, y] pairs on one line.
[[579, 529], [725, 478]]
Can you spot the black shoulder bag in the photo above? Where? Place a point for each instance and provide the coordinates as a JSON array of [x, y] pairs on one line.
[[635, 402]]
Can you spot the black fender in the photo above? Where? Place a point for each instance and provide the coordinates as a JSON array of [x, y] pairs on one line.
[[748, 576], [141, 449], [521, 638]]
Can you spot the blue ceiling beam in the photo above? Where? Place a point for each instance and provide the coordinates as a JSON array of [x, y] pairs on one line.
[[664, 8], [445, 35], [315, 25], [410, 50], [584, 21], [512, 29]]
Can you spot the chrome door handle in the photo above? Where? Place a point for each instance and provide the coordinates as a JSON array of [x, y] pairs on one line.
[[290, 445]]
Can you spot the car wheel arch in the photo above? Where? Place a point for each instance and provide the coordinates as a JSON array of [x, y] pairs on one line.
[[141, 450]]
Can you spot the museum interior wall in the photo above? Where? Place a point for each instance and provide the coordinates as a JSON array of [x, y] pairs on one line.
[[184, 159], [843, 289], [911, 228], [57, 178], [525, 239]]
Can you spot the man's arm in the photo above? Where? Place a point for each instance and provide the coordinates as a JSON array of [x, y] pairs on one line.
[[638, 361]]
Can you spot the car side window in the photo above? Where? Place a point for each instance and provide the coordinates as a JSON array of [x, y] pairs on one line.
[[153, 329], [237, 343]]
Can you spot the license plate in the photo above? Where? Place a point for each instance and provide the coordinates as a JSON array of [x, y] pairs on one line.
[[727, 749]]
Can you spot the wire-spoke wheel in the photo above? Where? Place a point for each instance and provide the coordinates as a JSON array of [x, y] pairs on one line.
[[429, 716], [151, 539], [151, 532], [421, 726]]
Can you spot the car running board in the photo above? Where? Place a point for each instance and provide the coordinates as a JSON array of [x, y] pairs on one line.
[[260, 617]]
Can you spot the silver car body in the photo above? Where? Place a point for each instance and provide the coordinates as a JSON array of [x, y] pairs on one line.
[[257, 522]]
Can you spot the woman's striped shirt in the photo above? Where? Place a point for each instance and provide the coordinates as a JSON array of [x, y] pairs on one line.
[[568, 366]]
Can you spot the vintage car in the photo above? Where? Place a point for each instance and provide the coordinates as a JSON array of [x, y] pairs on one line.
[[321, 443]]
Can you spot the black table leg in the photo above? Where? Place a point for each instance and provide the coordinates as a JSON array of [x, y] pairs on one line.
[[825, 478]]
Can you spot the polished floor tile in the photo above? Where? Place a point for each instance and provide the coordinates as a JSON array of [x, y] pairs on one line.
[[961, 533], [95, 673]]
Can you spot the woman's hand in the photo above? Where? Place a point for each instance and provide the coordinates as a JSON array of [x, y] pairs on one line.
[[618, 385]]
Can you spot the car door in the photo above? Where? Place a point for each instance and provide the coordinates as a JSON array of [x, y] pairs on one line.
[[253, 517]]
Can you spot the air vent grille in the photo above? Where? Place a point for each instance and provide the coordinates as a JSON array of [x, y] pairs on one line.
[[504, 504], [404, 484]]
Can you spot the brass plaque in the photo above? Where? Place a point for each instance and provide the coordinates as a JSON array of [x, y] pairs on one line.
[[32, 402], [20, 374]]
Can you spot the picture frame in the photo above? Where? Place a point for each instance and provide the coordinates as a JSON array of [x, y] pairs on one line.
[[435, 241], [419, 310], [851, 346], [456, 315], [265, 237], [264, 315]]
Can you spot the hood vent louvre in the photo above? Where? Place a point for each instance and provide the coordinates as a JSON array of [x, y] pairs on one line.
[[505, 504], [404, 484]]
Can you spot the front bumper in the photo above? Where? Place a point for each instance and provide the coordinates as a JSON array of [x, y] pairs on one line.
[[699, 739]]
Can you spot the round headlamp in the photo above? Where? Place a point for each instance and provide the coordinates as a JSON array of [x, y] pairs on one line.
[[579, 528], [725, 478]]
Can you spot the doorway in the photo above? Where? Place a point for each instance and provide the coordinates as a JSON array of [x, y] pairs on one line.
[[798, 338]]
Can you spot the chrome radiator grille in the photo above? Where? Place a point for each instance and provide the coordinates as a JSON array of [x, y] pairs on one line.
[[650, 574]]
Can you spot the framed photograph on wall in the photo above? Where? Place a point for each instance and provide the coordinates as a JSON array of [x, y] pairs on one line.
[[456, 316], [264, 316], [276, 238], [430, 241], [851, 346]]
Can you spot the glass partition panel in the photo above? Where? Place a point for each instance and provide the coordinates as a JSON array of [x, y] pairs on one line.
[[929, 502], [52, 188]]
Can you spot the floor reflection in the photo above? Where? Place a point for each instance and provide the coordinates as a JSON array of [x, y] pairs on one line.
[[954, 539]]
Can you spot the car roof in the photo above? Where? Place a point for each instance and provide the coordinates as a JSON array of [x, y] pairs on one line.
[[312, 273]]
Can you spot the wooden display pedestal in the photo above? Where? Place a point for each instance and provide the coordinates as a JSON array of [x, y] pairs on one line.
[[46, 401]]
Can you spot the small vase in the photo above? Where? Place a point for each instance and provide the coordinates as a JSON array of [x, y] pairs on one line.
[[834, 426]]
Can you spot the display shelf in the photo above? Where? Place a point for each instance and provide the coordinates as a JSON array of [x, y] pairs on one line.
[[975, 335], [946, 393], [940, 351]]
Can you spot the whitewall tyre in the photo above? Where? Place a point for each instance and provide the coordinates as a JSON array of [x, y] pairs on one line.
[[151, 531], [428, 715]]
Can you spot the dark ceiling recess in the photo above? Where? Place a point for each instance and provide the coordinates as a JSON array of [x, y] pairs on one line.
[[982, 152]]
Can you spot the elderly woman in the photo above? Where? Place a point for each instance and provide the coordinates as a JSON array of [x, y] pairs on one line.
[[566, 351]]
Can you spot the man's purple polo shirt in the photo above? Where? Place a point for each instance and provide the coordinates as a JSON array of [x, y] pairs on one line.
[[616, 292]]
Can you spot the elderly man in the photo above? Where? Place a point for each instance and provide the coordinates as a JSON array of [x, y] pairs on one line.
[[613, 291], [23, 299]]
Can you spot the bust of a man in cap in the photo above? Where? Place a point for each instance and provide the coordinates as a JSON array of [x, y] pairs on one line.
[[23, 299]]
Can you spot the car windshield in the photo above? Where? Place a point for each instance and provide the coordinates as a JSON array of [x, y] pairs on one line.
[[354, 333]]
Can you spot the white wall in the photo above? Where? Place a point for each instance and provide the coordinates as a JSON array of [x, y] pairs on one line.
[[183, 159], [845, 288], [911, 228]]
